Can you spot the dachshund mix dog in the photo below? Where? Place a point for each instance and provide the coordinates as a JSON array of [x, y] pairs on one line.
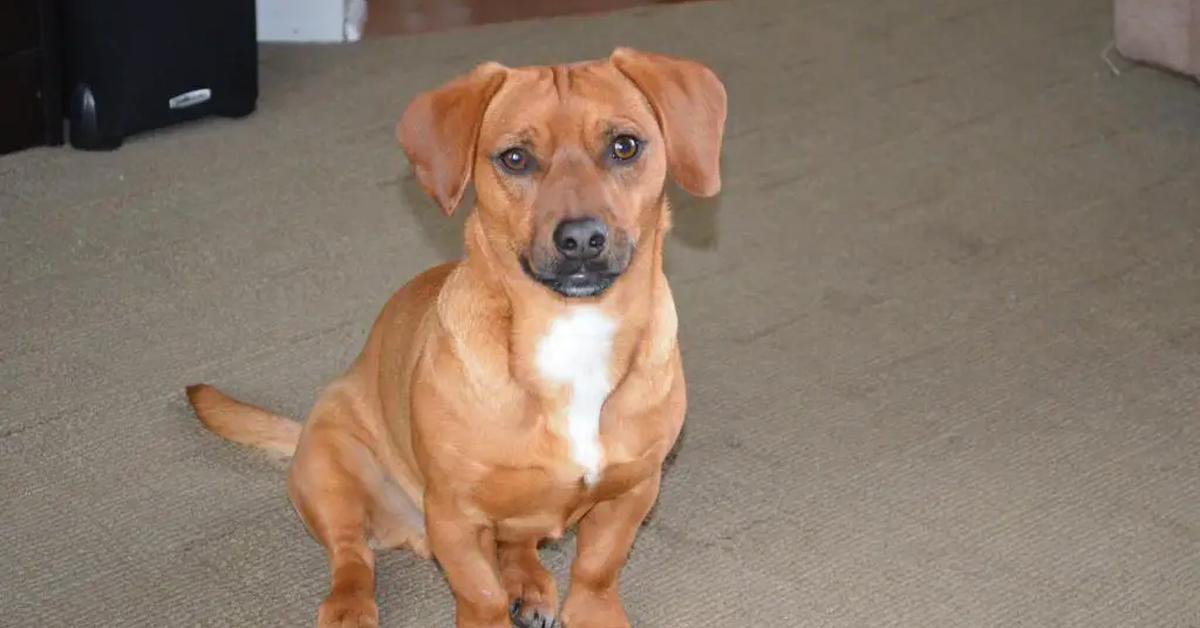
[[534, 385]]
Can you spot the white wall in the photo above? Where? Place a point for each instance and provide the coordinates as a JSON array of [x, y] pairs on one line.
[[301, 20]]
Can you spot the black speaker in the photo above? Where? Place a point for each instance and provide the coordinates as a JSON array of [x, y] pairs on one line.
[[136, 65]]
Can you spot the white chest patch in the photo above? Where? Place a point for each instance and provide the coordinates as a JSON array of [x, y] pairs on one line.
[[575, 352]]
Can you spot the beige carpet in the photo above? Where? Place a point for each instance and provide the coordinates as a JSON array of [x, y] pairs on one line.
[[942, 329]]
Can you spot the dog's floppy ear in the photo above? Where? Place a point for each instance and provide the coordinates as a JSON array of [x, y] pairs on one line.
[[689, 101], [440, 128]]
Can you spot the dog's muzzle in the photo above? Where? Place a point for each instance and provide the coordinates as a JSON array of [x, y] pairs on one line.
[[586, 260]]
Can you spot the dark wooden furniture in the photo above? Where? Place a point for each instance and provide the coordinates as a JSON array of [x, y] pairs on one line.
[[393, 17], [30, 74]]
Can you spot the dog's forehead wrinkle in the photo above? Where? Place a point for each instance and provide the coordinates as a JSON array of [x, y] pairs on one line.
[[562, 81], [578, 104], [521, 136], [569, 156]]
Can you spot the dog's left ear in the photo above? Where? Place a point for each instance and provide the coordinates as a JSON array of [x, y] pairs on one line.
[[690, 103], [440, 128]]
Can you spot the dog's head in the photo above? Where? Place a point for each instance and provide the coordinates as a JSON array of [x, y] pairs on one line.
[[569, 162]]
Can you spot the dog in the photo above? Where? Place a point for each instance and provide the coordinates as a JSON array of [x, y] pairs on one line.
[[534, 386]]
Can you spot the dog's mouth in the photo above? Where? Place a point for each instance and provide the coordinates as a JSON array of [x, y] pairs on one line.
[[574, 279]]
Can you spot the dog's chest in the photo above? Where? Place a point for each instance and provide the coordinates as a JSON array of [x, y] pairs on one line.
[[573, 357]]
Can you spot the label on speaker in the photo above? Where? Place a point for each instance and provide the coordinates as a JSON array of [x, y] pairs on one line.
[[189, 99]]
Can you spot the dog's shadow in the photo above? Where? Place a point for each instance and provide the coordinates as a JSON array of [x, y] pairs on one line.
[[444, 232], [694, 220]]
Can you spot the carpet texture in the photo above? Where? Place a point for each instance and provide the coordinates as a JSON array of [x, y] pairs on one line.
[[942, 328]]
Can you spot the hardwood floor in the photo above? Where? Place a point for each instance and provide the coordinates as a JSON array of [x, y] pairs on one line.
[[395, 17]]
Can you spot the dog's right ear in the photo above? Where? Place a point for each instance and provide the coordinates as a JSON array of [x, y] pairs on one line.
[[690, 103], [440, 128]]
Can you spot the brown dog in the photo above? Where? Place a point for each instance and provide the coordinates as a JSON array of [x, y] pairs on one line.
[[534, 385]]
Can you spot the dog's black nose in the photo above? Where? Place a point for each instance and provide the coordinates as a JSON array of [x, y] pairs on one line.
[[581, 239]]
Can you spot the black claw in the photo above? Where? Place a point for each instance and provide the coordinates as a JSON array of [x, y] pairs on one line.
[[514, 613], [537, 621]]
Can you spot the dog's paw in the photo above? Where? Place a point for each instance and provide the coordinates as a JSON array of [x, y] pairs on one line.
[[593, 610], [534, 606], [530, 616], [348, 611], [532, 594]]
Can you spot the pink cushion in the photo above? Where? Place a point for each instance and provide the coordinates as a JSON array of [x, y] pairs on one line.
[[1163, 32]]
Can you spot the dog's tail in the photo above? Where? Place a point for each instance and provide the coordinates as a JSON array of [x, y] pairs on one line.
[[243, 423]]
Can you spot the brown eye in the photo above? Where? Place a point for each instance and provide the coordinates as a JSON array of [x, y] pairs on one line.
[[624, 148], [515, 160]]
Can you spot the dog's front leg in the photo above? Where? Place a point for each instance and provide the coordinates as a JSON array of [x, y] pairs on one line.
[[604, 538], [467, 553]]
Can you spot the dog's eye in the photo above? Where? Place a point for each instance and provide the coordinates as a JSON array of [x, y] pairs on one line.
[[624, 148], [516, 160]]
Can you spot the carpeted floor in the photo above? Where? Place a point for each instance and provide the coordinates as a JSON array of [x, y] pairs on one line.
[[942, 329]]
